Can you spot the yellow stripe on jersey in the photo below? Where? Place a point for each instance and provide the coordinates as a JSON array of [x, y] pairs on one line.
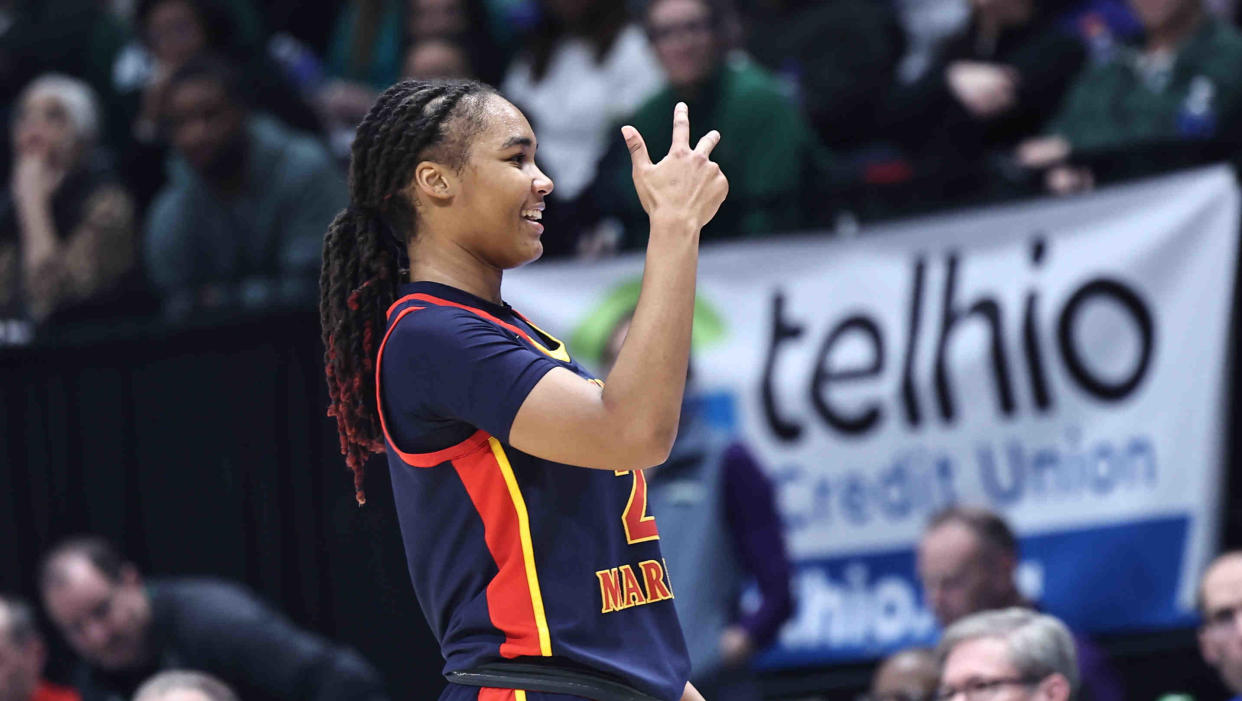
[[561, 352], [528, 551]]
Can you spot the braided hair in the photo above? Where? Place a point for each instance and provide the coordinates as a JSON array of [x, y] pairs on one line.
[[365, 246]]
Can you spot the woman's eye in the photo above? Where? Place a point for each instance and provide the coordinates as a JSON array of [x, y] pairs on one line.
[[518, 159]]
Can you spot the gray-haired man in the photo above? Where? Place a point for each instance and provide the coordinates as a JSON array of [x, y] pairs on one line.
[[184, 685], [1013, 654]]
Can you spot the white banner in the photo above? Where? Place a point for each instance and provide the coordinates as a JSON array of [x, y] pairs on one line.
[[1064, 362]]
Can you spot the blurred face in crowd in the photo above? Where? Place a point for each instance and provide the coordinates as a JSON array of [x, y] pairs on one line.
[[207, 126], [1159, 14], [982, 668], [909, 675], [960, 575], [105, 621], [435, 58], [437, 18], [1220, 636], [21, 663], [175, 32], [42, 128], [684, 39]]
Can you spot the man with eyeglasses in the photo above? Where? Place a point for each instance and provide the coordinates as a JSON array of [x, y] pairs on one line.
[[1013, 654], [967, 562], [1220, 635]]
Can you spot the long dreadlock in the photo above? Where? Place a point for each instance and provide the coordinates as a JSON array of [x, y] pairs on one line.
[[410, 122]]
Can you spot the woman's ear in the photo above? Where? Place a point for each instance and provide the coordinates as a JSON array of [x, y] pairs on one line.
[[433, 181]]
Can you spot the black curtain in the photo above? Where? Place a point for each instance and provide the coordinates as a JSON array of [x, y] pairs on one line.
[[206, 451]]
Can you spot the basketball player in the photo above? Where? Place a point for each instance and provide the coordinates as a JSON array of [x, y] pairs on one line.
[[517, 475]]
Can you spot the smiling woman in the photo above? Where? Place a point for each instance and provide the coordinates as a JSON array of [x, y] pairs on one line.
[[535, 574]]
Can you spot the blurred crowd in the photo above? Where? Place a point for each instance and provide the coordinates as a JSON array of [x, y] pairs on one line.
[[155, 638], [169, 157]]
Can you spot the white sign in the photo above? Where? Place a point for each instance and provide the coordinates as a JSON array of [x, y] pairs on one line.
[[1064, 362]]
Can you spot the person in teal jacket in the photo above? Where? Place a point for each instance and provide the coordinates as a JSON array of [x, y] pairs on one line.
[[1176, 94], [767, 146]]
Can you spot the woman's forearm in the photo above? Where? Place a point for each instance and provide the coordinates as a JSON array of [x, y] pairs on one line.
[[649, 377]]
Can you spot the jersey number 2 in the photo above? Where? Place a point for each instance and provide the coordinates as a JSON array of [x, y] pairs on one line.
[[640, 526]]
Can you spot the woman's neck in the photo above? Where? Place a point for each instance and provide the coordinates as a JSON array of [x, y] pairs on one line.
[[437, 260]]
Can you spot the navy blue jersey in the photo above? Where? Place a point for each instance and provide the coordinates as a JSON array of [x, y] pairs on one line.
[[513, 556]]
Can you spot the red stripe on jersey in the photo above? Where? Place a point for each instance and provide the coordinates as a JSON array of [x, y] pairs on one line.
[[508, 594], [471, 444], [489, 694], [446, 303]]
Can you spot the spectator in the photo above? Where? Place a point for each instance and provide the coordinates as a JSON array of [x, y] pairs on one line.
[[366, 45], [767, 147], [1013, 654], [465, 23], [1220, 635], [173, 33], [176, 31], [838, 56], [993, 85], [718, 527], [370, 30], [364, 58], [66, 225], [182, 685], [60, 36], [242, 219], [126, 629], [907, 675], [586, 68], [79, 39], [437, 58], [22, 655], [967, 559], [1165, 103]]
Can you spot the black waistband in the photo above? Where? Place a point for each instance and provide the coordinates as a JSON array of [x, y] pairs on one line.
[[533, 675]]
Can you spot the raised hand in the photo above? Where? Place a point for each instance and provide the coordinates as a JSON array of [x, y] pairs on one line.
[[685, 186], [34, 180]]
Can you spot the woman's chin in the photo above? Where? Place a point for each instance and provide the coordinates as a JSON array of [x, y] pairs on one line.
[[529, 251], [536, 252]]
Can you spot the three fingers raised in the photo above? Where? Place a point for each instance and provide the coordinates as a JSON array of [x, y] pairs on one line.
[[681, 137]]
